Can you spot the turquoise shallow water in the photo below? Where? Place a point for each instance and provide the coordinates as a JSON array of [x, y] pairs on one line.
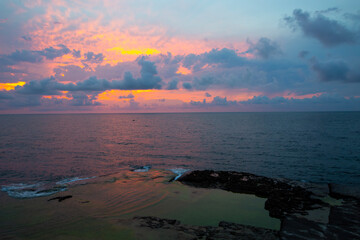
[[317, 147]]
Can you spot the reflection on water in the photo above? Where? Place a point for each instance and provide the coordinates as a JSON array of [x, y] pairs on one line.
[[320, 147], [103, 201]]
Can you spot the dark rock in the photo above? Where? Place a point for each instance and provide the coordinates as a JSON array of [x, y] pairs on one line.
[[282, 197], [296, 204], [154, 222], [344, 191], [343, 223], [225, 230], [298, 228], [344, 220], [60, 198]]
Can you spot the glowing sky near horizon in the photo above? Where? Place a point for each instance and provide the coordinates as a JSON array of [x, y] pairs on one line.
[[175, 56]]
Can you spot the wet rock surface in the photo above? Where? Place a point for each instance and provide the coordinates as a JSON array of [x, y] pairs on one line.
[[225, 230], [282, 198], [299, 206], [343, 223], [344, 191]]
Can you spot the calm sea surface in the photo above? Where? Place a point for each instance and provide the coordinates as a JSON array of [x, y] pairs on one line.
[[317, 147]]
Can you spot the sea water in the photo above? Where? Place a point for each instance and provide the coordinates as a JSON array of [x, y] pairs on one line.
[[313, 147]]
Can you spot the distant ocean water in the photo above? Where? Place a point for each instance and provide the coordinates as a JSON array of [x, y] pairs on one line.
[[315, 147]]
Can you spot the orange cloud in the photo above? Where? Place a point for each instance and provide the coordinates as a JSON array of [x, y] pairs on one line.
[[183, 70], [10, 86], [58, 97]]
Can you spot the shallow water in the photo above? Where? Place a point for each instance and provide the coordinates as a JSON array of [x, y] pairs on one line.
[[318, 147], [96, 207]]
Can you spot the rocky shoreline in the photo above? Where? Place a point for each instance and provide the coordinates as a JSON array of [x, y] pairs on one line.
[[282, 197], [193, 207], [302, 208]]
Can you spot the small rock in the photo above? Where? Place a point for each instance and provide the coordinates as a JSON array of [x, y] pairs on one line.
[[60, 198]]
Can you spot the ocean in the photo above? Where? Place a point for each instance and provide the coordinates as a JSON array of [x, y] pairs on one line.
[[305, 146]]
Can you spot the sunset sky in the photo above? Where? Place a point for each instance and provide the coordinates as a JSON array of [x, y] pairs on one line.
[[179, 56]]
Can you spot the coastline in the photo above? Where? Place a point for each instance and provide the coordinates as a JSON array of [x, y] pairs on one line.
[[213, 204]]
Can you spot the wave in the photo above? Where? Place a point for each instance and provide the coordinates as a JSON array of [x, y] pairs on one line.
[[40, 189], [179, 172], [74, 179], [23, 190], [142, 168]]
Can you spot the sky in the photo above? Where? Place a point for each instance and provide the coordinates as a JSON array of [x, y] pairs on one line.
[[75, 56]]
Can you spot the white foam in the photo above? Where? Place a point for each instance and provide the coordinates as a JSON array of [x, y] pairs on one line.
[[179, 172], [74, 179], [143, 169], [23, 190], [19, 186], [34, 193], [40, 189]]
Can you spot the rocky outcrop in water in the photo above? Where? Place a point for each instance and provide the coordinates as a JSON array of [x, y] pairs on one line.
[[282, 197], [299, 206]]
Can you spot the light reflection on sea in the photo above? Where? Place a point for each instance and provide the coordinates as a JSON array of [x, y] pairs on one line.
[[319, 147]]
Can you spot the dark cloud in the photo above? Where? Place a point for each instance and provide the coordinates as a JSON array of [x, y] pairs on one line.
[[33, 56], [76, 54], [187, 86], [5, 95], [207, 94], [222, 101], [74, 73], [46, 86], [172, 85], [203, 83], [265, 100], [334, 70], [198, 103], [127, 96], [94, 58], [24, 56], [169, 64], [270, 76], [28, 101], [219, 58], [190, 60], [217, 101], [264, 48], [52, 53], [329, 10], [50, 86], [82, 99], [261, 103], [328, 31], [324, 99], [27, 38], [148, 79], [91, 84], [225, 57]]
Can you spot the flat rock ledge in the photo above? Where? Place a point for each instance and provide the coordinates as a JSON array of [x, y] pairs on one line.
[[225, 230], [301, 207]]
